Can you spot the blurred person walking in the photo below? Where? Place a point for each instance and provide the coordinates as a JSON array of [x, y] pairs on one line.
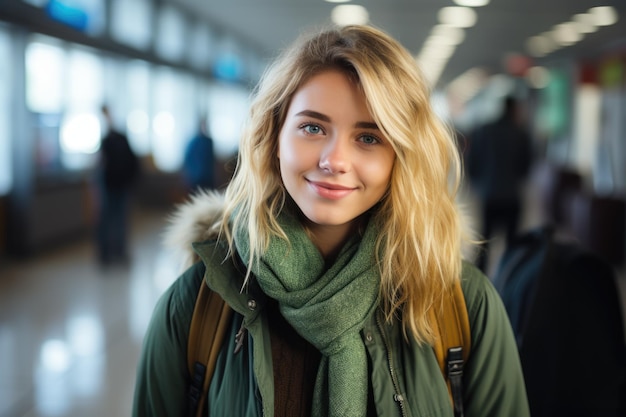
[[118, 167], [500, 156], [199, 162]]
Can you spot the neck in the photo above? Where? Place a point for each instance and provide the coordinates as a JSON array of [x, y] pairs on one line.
[[330, 239]]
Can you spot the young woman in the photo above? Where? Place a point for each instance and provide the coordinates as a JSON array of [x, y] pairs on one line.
[[342, 217]]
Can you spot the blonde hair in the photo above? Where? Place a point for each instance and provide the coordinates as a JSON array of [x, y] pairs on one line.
[[421, 236]]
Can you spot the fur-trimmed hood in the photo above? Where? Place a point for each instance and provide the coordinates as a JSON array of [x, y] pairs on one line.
[[193, 221]]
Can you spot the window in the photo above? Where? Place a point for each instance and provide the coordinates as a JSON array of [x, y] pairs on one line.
[[201, 45], [173, 120], [80, 129], [131, 22], [228, 108], [137, 100], [45, 63], [6, 174], [64, 89], [171, 36]]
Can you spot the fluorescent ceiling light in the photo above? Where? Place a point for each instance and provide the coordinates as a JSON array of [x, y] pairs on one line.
[[349, 14], [541, 45], [446, 34], [461, 17], [466, 85], [566, 34], [472, 3], [437, 52], [604, 15], [538, 46], [337, 1], [586, 22]]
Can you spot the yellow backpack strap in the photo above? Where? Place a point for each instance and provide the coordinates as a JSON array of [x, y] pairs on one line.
[[209, 324], [453, 342]]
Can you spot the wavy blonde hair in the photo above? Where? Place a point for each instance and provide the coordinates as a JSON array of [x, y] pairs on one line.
[[420, 244]]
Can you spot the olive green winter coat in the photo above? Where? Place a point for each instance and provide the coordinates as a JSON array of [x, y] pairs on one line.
[[405, 378]]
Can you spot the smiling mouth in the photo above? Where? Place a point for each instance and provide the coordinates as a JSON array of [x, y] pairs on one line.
[[330, 191]]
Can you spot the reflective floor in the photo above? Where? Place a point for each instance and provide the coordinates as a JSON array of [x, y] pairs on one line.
[[70, 332]]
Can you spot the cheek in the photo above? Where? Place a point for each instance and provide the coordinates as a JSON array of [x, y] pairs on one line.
[[284, 147], [294, 155], [284, 153], [377, 172], [288, 160], [279, 143]]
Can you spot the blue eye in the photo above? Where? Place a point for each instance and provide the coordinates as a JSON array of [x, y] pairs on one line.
[[369, 139], [312, 129]]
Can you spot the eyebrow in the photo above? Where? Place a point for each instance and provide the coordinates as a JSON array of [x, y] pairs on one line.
[[325, 118]]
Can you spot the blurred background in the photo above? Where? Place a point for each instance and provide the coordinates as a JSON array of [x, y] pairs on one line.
[[71, 321]]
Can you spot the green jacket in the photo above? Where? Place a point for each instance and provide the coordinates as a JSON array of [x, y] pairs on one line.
[[405, 378]]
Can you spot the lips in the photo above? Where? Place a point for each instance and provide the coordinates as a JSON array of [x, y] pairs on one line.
[[330, 191]]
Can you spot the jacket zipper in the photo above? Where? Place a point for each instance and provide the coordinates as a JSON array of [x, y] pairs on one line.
[[398, 397]]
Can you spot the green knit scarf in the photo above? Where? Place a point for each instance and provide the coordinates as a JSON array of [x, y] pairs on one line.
[[327, 307]]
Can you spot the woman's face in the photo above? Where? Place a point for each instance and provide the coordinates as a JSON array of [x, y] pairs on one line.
[[334, 161]]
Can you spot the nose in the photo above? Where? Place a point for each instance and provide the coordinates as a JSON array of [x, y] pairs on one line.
[[335, 156]]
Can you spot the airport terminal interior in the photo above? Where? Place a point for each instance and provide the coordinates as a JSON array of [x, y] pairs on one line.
[[71, 325]]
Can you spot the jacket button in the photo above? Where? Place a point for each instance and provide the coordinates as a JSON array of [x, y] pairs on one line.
[[252, 304], [368, 337]]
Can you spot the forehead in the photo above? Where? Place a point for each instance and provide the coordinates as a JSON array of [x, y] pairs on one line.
[[332, 90], [347, 75]]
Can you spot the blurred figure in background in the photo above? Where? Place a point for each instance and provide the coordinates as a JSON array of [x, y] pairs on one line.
[[199, 162], [500, 156], [118, 167]]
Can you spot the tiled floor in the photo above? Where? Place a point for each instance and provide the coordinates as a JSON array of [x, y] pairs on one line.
[[70, 333]]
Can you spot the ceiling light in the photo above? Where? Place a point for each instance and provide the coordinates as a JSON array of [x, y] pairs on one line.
[[604, 15], [466, 85], [541, 45], [432, 71], [461, 17], [349, 14], [431, 66], [437, 52], [537, 46], [566, 34], [448, 34], [337, 1], [550, 43], [585, 22], [472, 3]]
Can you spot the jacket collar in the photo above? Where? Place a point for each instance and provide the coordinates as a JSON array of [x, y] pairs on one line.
[[225, 275], [192, 236], [196, 220]]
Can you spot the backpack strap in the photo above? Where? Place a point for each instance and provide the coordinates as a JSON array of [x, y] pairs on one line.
[[211, 318], [209, 324], [452, 342]]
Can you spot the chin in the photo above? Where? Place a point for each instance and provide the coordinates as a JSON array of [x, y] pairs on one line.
[[323, 219]]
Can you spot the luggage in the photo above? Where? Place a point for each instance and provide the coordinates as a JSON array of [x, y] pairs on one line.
[[565, 312]]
